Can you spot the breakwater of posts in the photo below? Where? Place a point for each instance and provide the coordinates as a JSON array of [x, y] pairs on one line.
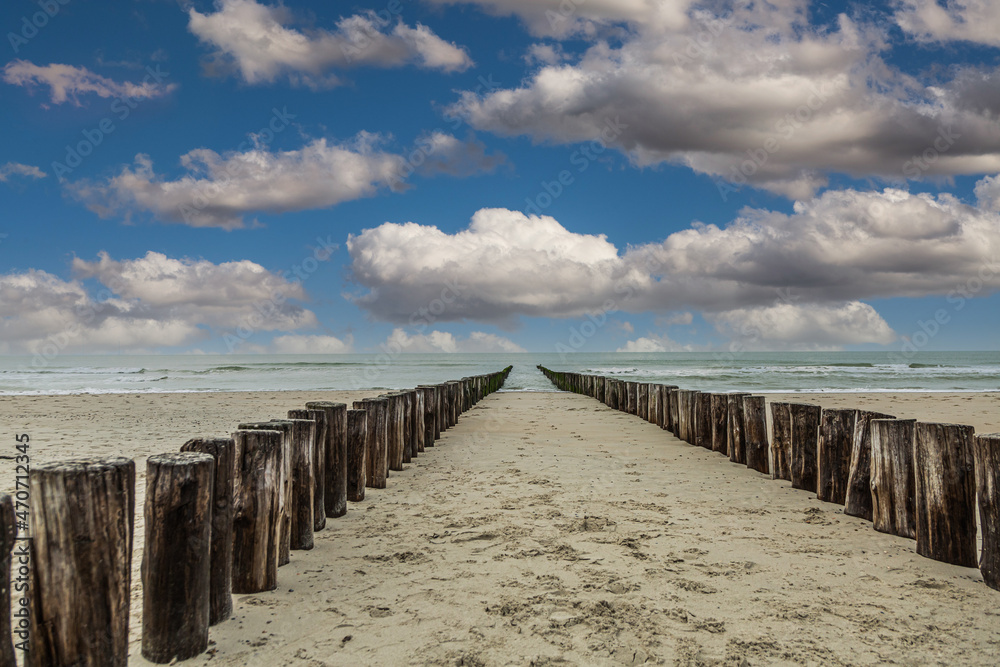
[[221, 516], [914, 479]]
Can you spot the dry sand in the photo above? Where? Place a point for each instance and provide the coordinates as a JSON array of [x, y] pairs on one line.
[[546, 528]]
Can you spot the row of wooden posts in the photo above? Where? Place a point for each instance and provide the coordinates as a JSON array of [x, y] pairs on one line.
[[909, 478], [220, 517]]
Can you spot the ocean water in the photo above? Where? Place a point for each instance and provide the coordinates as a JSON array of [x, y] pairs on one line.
[[756, 372]]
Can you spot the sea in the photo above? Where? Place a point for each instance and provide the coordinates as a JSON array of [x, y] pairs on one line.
[[759, 372]]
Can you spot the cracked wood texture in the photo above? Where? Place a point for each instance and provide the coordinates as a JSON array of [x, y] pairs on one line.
[[176, 562], [334, 479], [805, 445], [836, 439], [256, 511], [781, 441], [892, 477], [321, 417], [859, 487], [8, 537], [222, 450], [82, 520], [946, 493], [988, 490], [755, 425]]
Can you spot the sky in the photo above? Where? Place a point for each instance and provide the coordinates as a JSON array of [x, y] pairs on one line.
[[499, 175]]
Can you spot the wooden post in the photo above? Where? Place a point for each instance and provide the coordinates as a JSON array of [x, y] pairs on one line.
[[684, 400], [836, 439], [284, 482], [946, 493], [430, 414], [703, 420], [321, 420], [736, 428], [893, 494], [417, 419], [176, 558], [859, 488], [304, 443], [82, 514], [409, 443], [256, 510], [719, 407], [642, 400], [377, 457], [356, 454], [781, 441], [222, 451], [674, 409], [631, 397], [456, 401], [334, 478], [805, 445], [987, 455], [755, 428], [8, 538], [394, 444], [440, 403]]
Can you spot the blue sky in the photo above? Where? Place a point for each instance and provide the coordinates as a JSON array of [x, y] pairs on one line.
[[565, 167]]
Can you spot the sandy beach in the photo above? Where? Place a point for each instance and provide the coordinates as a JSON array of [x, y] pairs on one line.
[[546, 528]]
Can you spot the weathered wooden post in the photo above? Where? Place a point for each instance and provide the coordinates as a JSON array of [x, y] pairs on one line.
[[176, 563], [684, 399], [674, 409], [256, 510], [303, 482], [805, 445], [82, 518], [393, 444], [755, 426], [719, 407], [430, 414], [453, 402], [631, 397], [334, 479], [781, 441], [859, 488], [222, 450], [946, 493], [441, 403], [284, 482], [642, 399], [893, 493], [833, 463], [417, 418], [320, 418], [8, 538], [736, 428], [703, 420], [357, 454], [987, 457], [410, 450], [377, 456]]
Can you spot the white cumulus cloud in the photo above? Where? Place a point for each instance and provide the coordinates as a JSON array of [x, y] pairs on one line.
[[259, 42], [825, 258], [220, 190], [756, 95], [148, 302]]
